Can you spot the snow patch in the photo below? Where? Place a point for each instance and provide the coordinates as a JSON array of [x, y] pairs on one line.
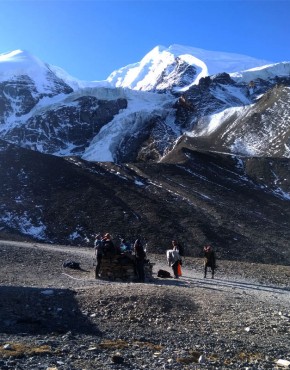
[[242, 147], [141, 106], [265, 72], [24, 224], [139, 183], [211, 123]]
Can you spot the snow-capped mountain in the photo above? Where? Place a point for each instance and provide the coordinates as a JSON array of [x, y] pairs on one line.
[[246, 113], [218, 101], [208, 134], [179, 67], [20, 63]]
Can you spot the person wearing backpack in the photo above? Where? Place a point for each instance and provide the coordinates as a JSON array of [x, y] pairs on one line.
[[99, 251], [140, 260]]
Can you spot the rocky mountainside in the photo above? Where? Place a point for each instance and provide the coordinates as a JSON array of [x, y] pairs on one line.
[[237, 117], [233, 202]]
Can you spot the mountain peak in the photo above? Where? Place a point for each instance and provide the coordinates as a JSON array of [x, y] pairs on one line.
[[162, 61], [20, 62], [12, 55], [19, 56], [219, 61]]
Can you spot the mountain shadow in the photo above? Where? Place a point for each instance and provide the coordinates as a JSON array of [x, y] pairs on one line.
[[41, 311]]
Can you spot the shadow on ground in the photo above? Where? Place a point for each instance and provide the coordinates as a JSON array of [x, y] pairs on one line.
[[40, 311]]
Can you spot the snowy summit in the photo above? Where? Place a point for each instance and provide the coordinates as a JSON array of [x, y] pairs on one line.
[[161, 60]]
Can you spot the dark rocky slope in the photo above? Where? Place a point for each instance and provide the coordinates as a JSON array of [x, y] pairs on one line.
[[233, 203]]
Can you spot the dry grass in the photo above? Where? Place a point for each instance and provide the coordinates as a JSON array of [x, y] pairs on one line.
[[21, 349]]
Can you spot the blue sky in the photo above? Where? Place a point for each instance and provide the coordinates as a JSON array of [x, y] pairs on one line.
[[89, 39]]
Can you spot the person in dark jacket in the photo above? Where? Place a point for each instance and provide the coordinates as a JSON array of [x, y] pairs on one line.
[[140, 260], [99, 251], [209, 260], [108, 246]]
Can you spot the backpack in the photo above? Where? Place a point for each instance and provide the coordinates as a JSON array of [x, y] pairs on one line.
[[181, 250], [71, 264], [139, 252], [109, 248], [163, 274]]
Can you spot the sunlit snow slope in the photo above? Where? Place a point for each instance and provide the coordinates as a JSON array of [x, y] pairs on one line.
[[163, 63]]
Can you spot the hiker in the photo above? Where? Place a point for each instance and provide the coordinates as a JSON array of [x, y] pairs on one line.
[[209, 260], [139, 260], [108, 246], [99, 251], [173, 259]]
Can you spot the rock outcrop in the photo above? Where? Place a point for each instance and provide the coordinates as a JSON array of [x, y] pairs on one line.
[[122, 268]]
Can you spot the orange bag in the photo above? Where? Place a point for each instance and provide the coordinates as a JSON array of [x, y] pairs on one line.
[[179, 272]]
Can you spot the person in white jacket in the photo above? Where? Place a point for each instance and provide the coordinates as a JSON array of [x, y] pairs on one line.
[[173, 258]]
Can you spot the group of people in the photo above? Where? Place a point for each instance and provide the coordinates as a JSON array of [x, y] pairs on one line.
[[174, 259], [105, 247]]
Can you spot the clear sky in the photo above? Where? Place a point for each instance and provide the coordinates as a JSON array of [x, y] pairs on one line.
[[89, 39]]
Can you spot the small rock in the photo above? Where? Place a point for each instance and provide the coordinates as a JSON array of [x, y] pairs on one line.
[[201, 359], [92, 349], [117, 359], [283, 363]]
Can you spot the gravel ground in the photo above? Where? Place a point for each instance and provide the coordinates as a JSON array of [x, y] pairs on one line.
[[56, 318]]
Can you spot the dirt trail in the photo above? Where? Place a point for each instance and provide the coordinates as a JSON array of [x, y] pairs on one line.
[[225, 280], [240, 317]]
